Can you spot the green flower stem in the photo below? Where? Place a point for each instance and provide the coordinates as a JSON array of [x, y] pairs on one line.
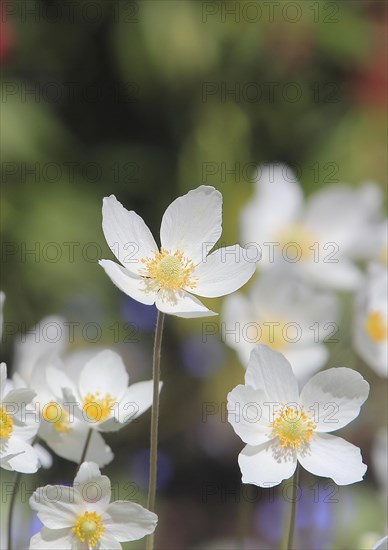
[[295, 485], [11, 507], [155, 421]]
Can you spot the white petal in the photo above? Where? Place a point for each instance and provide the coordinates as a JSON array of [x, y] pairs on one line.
[[126, 234], [57, 380], [28, 430], [57, 506], [93, 488], [237, 313], [136, 400], [248, 415], [70, 446], [192, 223], [131, 284], [270, 371], [104, 373], [381, 544], [47, 339], [277, 203], [223, 272], [306, 361], [3, 379], [182, 304], [343, 214], [26, 459], [343, 275], [130, 521], [45, 458], [19, 398], [266, 465], [107, 542], [50, 539], [335, 396], [331, 456]]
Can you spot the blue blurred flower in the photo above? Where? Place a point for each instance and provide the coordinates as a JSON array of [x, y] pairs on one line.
[[202, 359], [135, 312], [139, 469]]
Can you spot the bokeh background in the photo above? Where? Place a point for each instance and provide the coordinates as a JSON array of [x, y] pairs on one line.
[[147, 100]]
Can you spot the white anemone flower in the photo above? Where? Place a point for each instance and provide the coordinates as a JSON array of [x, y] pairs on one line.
[[321, 237], [371, 320], [82, 517], [60, 429], [97, 397], [18, 426], [169, 276], [286, 314], [282, 428]]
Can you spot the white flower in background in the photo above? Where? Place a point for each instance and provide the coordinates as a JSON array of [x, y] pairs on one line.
[[169, 276], [371, 320], [18, 426], [285, 314], [43, 343], [319, 238], [64, 433], [82, 517], [282, 428], [96, 397]]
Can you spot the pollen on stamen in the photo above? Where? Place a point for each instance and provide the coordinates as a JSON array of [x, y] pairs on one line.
[[98, 408], [293, 427], [89, 528], [6, 424], [57, 416], [376, 326], [169, 271]]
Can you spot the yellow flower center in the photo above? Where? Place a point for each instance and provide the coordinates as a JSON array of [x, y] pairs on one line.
[[376, 326], [293, 427], [296, 242], [89, 528], [6, 424], [98, 408], [272, 335], [169, 271], [56, 415]]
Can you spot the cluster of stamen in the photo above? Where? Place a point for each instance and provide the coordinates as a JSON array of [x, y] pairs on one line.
[[57, 415], [6, 424], [98, 408], [376, 326], [89, 528], [169, 271], [293, 427]]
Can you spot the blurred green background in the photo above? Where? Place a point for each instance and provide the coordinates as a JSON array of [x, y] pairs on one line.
[[147, 100]]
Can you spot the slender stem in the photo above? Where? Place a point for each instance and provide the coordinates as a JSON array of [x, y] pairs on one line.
[[295, 483], [11, 507], [85, 450], [155, 421]]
